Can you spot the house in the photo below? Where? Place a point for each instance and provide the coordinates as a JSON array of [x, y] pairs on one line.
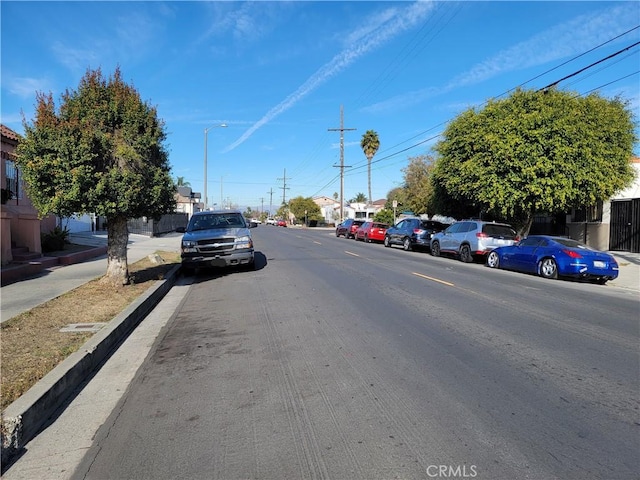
[[364, 210], [20, 225], [188, 201], [329, 208], [610, 225]]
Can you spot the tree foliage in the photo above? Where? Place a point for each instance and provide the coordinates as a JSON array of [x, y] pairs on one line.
[[181, 182], [535, 152], [359, 198], [299, 205], [100, 152], [370, 144], [417, 189]]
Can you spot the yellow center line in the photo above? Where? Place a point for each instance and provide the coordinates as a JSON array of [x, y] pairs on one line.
[[434, 279], [351, 253]]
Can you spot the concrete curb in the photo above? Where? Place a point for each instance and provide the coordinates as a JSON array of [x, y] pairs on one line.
[[24, 418]]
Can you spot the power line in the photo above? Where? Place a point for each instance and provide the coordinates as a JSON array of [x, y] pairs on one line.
[[548, 86], [589, 66]]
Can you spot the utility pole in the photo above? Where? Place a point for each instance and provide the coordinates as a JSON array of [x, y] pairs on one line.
[[284, 187], [270, 192], [342, 165]]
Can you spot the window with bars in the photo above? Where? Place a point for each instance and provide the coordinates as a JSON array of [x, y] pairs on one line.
[[592, 213], [12, 177]]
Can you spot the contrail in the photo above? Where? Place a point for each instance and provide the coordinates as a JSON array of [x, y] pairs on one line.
[[404, 20]]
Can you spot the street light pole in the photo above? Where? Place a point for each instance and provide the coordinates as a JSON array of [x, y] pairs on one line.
[[206, 130]]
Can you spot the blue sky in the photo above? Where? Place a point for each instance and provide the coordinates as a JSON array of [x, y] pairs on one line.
[[277, 74]]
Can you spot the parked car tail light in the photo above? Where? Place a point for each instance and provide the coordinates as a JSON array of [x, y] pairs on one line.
[[418, 231], [572, 253], [482, 235]]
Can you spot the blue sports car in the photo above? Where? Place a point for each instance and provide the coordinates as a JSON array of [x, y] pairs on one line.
[[553, 257]]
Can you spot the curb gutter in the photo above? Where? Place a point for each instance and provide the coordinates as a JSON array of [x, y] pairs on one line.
[[24, 418]]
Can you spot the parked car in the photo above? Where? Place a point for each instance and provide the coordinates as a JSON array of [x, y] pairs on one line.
[[281, 223], [468, 239], [217, 238], [271, 221], [371, 232], [348, 227], [412, 233], [553, 257]]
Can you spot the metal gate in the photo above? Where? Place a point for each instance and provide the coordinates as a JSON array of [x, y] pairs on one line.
[[624, 234]]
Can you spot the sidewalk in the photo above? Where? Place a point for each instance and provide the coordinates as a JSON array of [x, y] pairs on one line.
[[629, 271], [51, 282], [25, 417]]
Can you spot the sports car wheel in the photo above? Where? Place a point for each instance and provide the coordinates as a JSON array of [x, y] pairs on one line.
[[386, 242], [465, 254], [337, 234], [435, 249], [602, 280], [548, 268], [493, 260], [366, 238], [406, 244]]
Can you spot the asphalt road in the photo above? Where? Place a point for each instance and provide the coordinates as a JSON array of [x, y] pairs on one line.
[[339, 359]]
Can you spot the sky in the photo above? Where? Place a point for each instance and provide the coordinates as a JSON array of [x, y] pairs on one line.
[[278, 75]]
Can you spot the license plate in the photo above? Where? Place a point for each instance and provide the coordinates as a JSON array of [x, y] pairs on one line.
[[599, 264]]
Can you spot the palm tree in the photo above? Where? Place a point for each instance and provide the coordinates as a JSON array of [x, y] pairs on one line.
[[359, 198], [181, 183], [370, 144]]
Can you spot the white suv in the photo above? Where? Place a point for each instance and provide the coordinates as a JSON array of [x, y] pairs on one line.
[[469, 238]]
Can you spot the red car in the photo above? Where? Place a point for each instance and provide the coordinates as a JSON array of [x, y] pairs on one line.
[[371, 232], [281, 223]]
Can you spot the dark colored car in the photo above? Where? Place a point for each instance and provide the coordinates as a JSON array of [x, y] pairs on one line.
[[217, 238], [348, 228], [553, 257], [371, 232], [412, 233]]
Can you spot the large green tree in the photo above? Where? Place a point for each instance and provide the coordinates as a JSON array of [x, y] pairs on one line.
[[370, 144], [101, 151], [299, 205], [536, 152], [417, 189]]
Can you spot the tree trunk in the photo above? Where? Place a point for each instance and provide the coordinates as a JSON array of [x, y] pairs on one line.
[[369, 177], [117, 239], [524, 231]]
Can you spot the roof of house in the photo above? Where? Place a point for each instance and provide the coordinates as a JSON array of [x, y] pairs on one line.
[[8, 133]]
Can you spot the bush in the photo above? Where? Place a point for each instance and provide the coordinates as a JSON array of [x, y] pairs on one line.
[[55, 240]]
